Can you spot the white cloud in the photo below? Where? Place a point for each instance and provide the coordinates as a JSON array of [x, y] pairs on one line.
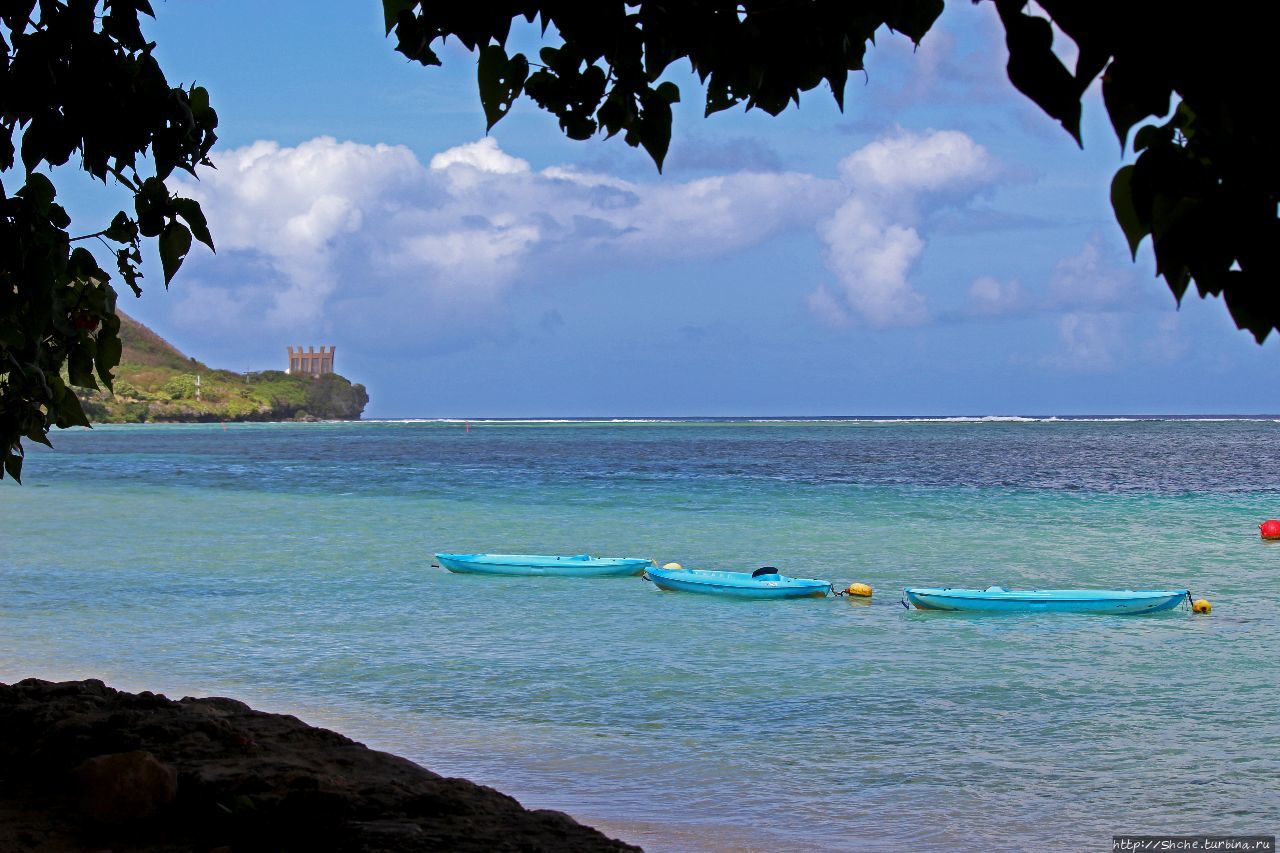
[[1169, 341], [827, 308], [297, 207], [333, 223], [873, 238], [906, 164], [990, 296], [1090, 280], [710, 216], [871, 259], [483, 155], [1094, 280], [480, 260], [337, 229], [1090, 342]]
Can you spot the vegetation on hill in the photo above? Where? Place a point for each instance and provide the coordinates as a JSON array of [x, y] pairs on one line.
[[156, 382]]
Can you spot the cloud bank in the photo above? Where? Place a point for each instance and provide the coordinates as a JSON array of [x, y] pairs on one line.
[[370, 234], [1088, 294]]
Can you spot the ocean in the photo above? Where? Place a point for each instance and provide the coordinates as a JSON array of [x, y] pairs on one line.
[[290, 565]]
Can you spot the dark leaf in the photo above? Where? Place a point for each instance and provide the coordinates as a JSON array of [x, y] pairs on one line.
[[6, 150], [391, 10], [70, 413], [122, 229], [83, 266], [1133, 91], [413, 38], [80, 365], [175, 242], [39, 191], [13, 465], [913, 18], [616, 113], [110, 349], [655, 125], [1253, 304], [1034, 68], [1126, 212], [501, 81], [127, 261], [58, 216], [40, 437], [1151, 135], [189, 209], [720, 96]]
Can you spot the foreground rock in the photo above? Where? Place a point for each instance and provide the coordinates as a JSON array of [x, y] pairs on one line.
[[86, 767]]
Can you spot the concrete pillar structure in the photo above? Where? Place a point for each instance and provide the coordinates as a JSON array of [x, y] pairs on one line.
[[310, 362]]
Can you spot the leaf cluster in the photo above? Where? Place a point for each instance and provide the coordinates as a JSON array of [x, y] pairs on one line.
[[1204, 186], [606, 75], [79, 81]]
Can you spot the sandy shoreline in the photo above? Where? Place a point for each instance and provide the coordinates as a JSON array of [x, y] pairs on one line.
[[85, 766]]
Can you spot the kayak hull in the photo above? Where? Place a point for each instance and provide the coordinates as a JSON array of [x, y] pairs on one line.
[[997, 600], [532, 565], [736, 584]]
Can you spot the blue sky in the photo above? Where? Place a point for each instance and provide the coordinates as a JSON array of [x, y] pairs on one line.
[[940, 248]]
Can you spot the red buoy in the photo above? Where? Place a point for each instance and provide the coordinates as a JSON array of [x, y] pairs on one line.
[[1270, 529]]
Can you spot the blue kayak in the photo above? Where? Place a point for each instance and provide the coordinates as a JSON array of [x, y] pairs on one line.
[[764, 583], [997, 599], [580, 566]]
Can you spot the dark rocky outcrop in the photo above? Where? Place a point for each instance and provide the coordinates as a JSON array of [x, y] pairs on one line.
[[87, 767]]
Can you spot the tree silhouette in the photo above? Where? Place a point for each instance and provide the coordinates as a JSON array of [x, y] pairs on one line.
[[77, 81], [1195, 77]]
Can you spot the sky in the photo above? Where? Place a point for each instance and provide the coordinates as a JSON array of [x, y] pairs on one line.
[[940, 248]]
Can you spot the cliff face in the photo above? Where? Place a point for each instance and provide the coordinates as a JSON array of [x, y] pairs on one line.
[[156, 382]]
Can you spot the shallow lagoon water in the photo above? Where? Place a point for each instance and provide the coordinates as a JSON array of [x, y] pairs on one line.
[[289, 565]]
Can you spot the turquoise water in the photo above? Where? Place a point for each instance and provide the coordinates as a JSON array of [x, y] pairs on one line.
[[289, 565]]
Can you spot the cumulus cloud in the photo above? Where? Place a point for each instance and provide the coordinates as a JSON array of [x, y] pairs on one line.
[[990, 296], [827, 307], [1091, 280], [1090, 342], [483, 155], [944, 73], [1095, 279], [873, 238], [330, 224], [371, 235], [1168, 342], [299, 208], [909, 163]]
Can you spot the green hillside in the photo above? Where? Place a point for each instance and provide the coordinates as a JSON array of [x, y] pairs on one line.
[[156, 382]]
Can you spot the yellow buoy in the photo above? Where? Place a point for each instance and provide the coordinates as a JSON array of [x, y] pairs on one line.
[[1201, 605], [859, 589], [673, 567]]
